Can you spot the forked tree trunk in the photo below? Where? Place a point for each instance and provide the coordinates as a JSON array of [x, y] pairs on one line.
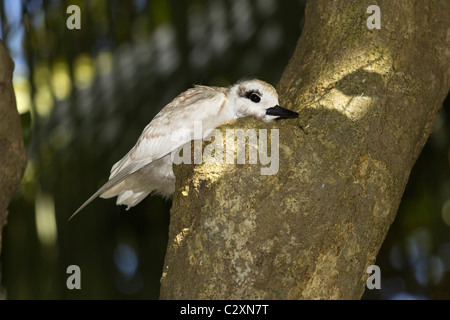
[[367, 101], [12, 150]]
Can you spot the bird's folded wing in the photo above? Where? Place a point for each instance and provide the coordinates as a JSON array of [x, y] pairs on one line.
[[174, 126]]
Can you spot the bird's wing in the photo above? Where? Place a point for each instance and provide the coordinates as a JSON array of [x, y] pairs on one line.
[[171, 128]]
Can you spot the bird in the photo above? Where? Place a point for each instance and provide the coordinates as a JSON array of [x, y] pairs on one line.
[[147, 167]]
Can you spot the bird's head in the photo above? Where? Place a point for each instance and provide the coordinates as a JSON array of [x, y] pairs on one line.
[[258, 99]]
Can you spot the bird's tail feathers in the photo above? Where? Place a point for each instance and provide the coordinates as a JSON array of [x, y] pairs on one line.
[[131, 198], [119, 177]]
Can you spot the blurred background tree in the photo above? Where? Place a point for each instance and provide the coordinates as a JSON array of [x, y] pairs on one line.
[[85, 96]]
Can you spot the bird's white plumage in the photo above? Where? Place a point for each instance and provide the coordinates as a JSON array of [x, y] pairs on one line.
[[147, 167], [200, 103]]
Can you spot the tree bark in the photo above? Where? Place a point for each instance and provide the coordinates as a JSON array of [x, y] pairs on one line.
[[367, 101], [12, 150]]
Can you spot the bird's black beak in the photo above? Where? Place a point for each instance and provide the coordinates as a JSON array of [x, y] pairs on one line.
[[278, 111]]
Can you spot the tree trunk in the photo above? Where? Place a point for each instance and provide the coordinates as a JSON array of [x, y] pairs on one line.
[[12, 150], [367, 101]]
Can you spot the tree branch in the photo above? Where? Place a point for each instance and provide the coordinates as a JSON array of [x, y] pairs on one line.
[[367, 101], [12, 150]]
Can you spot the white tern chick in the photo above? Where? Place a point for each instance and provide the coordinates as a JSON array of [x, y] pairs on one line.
[[147, 167]]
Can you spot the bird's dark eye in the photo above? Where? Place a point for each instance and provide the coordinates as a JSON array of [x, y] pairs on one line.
[[254, 97]]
